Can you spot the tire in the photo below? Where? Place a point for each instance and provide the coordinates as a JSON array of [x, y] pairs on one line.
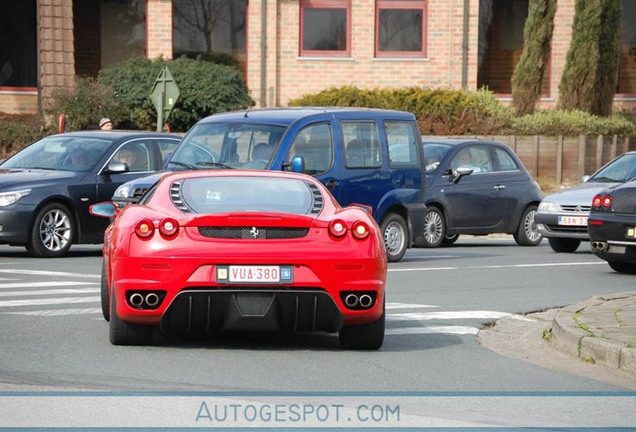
[[434, 229], [527, 233], [52, 232], [104, 293], [622, 267], [450, 239], [123, 333], [396, 236], [564, 244], [368, 336]]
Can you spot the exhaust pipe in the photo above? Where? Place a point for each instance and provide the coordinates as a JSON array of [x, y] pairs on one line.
[[600, 246], [136, 300], [365, 300], [351, 300], [152, 300]]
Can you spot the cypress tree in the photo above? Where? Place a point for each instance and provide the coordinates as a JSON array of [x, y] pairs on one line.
[[591, 67], [528, 76]]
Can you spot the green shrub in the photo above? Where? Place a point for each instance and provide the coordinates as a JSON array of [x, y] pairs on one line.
[[86, 104], [571, 123], [18, 131], [205, 88]]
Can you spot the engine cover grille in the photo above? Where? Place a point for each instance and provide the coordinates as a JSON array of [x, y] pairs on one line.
[[253, 232]]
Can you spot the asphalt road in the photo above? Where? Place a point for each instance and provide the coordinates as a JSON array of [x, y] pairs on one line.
[[52, 333]]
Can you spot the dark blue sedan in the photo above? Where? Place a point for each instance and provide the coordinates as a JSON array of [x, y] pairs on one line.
[[47, 188], [477, 187]]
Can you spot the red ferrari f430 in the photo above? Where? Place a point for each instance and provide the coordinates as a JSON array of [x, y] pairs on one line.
[[210, 251]]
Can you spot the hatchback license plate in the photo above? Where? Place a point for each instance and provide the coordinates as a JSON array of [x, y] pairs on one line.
[[573, 220], [254, 274]]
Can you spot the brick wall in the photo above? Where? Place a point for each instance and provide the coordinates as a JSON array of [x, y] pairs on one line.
[[159, 25], [18, 102], [57, 64]]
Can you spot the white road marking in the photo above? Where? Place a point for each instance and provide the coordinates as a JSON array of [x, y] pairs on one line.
[[43, 284], [49, 301], [59, 312], [431, 256], [496, 266], [458, 330], [446, 315], [390, 306], [49, 292], [7, 279], [50, 273]]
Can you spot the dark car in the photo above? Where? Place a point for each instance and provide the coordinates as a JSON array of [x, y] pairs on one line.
[[562, 217], [363, 156], [612, 227], [477, 187], [47, 188]]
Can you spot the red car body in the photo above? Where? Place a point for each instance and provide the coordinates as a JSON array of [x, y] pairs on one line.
[[189, 271]]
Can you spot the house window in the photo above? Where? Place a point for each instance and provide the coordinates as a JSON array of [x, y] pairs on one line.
[[212, 29], [18, 52], [400, 28], [627, 65], [325, 28]]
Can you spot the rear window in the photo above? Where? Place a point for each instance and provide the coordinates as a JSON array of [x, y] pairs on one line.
[[209, 195]]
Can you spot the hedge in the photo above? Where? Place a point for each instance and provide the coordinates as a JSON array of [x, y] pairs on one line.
[[456, 112], [18, 131]]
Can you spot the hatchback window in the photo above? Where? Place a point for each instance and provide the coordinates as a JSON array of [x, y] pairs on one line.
[[506, 162], [433, 154], [617, 171], [477, 157], [402, 143], [361, 143], [210, 195], [315, 145], [61, 152]]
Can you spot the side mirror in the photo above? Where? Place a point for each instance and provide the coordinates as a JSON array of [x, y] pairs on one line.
[[364, 207], [585, 178], [105, 209], [298, 164], [116, 168], [461, 171]]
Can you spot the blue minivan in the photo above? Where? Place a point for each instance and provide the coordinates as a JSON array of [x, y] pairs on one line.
[[364, 156]]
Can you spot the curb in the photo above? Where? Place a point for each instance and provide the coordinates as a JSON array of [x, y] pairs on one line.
[[571, 336]]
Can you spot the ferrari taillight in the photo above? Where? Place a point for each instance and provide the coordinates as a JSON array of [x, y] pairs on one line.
[[360, 230], [144, 229], [597, 201], [168, 227], [337, 228], [607, 201]]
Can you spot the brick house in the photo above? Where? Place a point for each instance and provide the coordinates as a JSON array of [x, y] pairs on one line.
[[289, 47]]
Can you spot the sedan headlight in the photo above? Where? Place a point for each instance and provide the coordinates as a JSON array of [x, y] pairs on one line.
[[8, 198], [548, 206], [122, 191]]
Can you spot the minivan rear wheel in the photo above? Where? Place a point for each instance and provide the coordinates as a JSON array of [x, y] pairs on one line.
[[396, 235]]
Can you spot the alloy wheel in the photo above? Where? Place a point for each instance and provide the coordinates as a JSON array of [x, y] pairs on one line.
[[530, 227], [433, 227], [55, 230]]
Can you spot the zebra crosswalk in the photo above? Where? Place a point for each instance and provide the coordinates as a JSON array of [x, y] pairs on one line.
[[58, 294]]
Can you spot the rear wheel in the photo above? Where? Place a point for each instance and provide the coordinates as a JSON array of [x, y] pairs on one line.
[[527, 234], [364, 336], [124, 333], [395, 234], [434, 229], [623, 267], [450, 239], [104, 293], [564, 244]]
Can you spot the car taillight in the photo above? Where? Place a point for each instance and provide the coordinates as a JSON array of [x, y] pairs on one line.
[[337, 228], [145, 229], [360, 230], [597, 201], [607, 201], [168, 227]]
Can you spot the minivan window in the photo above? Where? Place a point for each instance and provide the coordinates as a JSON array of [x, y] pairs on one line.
[[402, 143], [233, 145], [315, 145], [362, 144]]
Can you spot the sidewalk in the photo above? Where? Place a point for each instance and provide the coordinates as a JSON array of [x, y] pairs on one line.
[[595, 338], [600, 330]]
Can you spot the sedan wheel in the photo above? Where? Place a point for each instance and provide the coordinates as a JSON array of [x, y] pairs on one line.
[[52, 232], [527, 234], [395, 235], [564, 244]]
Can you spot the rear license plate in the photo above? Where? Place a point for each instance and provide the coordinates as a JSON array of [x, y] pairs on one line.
[[631, 233], [573, 220], [257, 274]]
